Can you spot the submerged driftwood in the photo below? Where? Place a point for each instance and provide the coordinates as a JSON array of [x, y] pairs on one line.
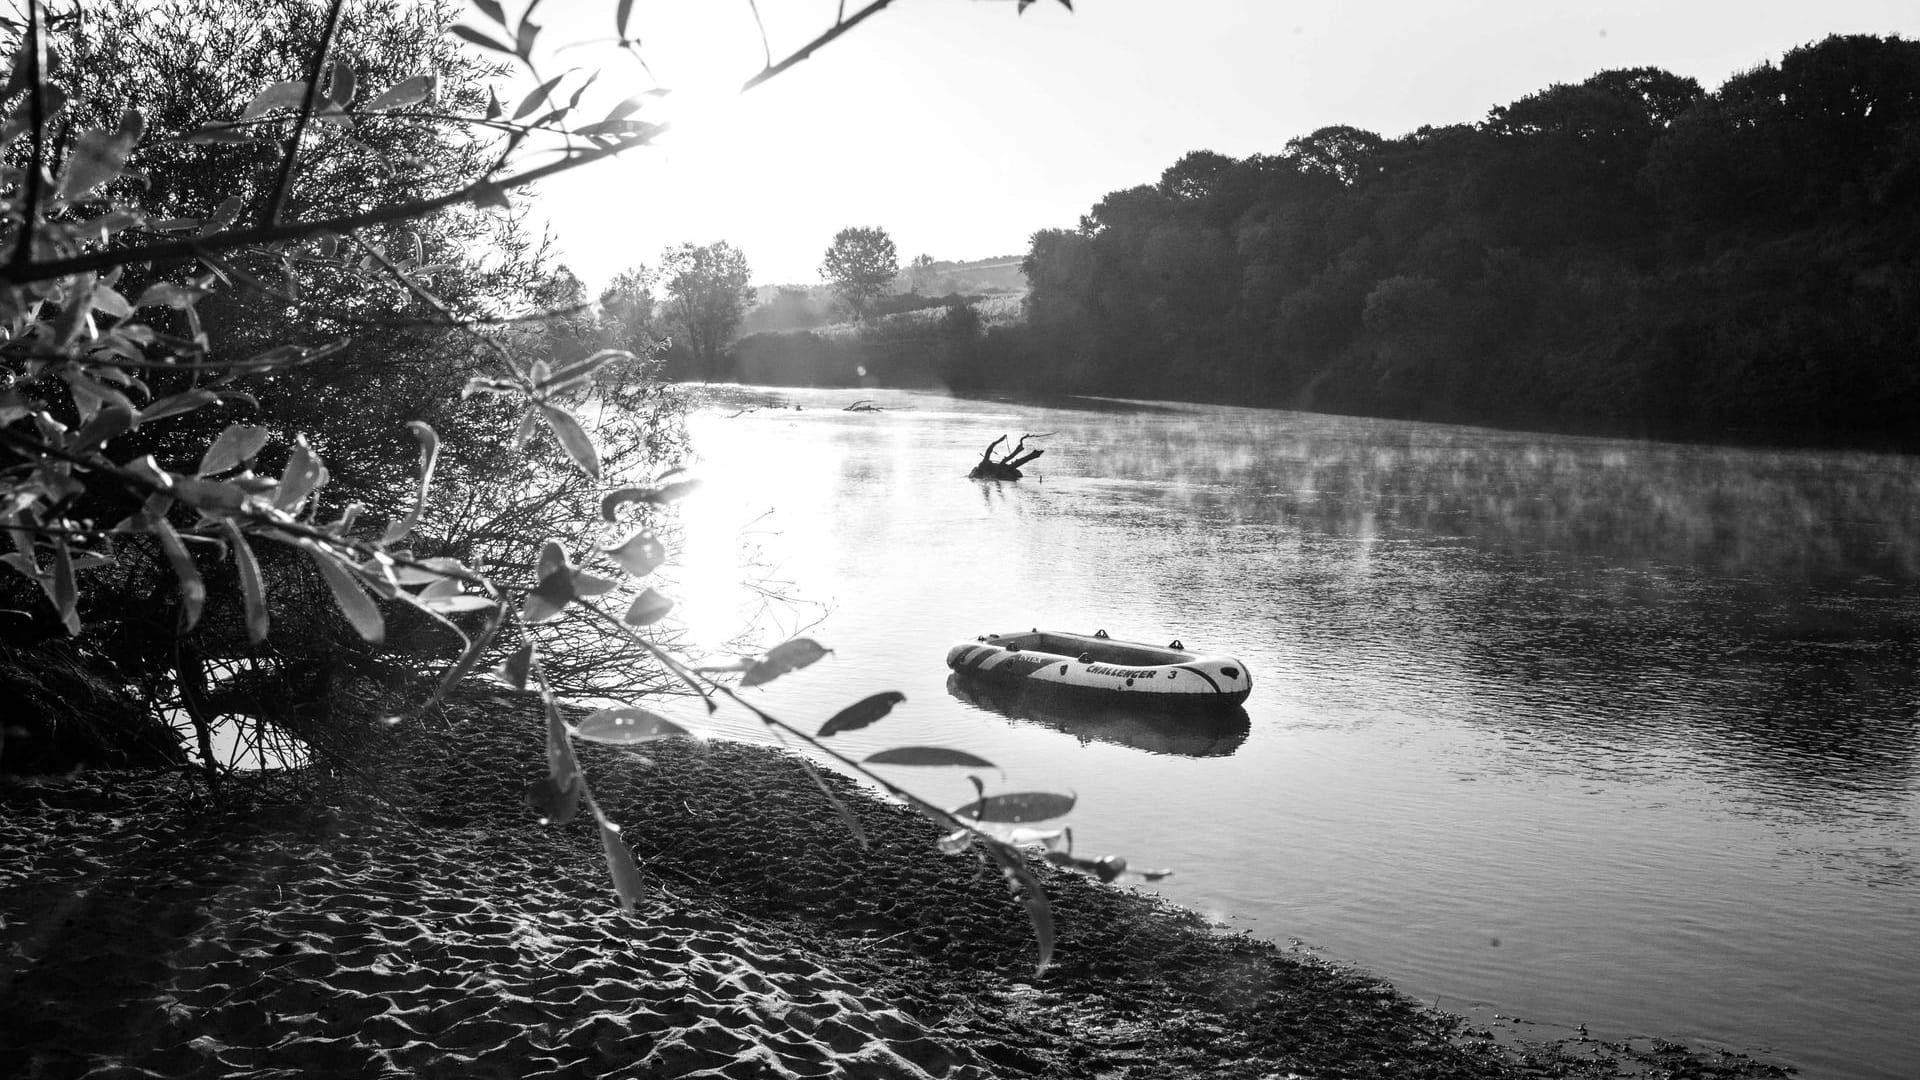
[[1008, 467]]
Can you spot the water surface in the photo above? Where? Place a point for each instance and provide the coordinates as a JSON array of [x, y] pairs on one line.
[[1578, 730]]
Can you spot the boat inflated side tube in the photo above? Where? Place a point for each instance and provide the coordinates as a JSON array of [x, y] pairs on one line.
[[1100, 665]]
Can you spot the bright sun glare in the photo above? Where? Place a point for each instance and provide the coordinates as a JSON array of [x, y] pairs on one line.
[[727, 571], [728, 168]]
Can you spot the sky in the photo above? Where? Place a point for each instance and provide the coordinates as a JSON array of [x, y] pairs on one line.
[[962, 127]]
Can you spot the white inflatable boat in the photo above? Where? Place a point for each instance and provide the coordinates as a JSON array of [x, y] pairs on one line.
[[1099, 666]]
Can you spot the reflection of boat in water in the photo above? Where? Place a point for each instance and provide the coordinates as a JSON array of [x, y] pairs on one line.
[[1098, 667], [1128, 722]]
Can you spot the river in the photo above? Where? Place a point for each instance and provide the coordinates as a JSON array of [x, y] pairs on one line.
[[1560, 730]]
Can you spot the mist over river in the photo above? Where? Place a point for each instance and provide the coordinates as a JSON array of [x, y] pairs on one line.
[[1574, 730]]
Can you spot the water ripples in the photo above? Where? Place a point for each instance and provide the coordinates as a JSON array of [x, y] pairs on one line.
[[1593, 730]]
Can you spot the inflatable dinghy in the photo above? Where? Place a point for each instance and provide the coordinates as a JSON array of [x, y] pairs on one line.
[[1098, 666]]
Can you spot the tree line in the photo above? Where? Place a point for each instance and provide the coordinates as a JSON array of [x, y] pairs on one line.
[[709, 295], [1627, 253]]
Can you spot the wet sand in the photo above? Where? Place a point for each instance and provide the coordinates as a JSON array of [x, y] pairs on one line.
[[437, 930]]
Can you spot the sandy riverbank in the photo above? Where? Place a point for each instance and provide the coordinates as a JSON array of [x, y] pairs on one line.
[[440, 931]]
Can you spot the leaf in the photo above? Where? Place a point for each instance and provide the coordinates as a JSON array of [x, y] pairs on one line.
[[621, 13], [529, 424], [150, 471], [282, 95], [253, 590], [560, 583], [573, 439], [647, 608], [109, 302], [573, 374], [529, 33], [455, 603], [655, 495], [555, 801], [1039, 912], [177, 404], [429, 456], [237, 444], [341, 86], [787, 656], [639, 554], [549, 598], [928, 755], [840, 806], [109, 423], [861, 713], [24, 565], [561, 766], [91, 395], [99, 156], [492, 10], [193, 591], [468, 33], [626, 726], [62, 589], [1017, 806], [513, 670], [305, 474], [616, 127], [470, 659], [539, 95], [208, 496], [553, 556], [406, 92], [585, 584], [354, 602], [625, 108], [621, 867], [223, 216]]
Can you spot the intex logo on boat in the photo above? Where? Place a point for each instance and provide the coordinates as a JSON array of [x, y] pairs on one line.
[[1120, 673]]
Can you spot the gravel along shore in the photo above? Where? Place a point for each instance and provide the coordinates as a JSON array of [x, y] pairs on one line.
[[428, 926]]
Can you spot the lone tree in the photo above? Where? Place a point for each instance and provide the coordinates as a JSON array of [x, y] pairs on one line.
[[627, 309], [861, 266], [709, 291]]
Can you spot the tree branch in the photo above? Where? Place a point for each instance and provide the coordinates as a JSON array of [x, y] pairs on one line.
[[307, 104], [267, 234], [838, 28], [37, 117]]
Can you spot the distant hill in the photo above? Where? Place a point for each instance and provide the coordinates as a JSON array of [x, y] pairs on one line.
[[980, 277], [802, 307], [997, 276]]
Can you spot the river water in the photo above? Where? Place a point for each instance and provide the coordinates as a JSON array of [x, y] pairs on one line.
[[1571, 730]]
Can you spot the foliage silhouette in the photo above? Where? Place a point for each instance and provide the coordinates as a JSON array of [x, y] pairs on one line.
[[115, 419], [1627, 253]]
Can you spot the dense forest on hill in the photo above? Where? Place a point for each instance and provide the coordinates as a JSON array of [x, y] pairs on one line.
[[1629, 253]]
